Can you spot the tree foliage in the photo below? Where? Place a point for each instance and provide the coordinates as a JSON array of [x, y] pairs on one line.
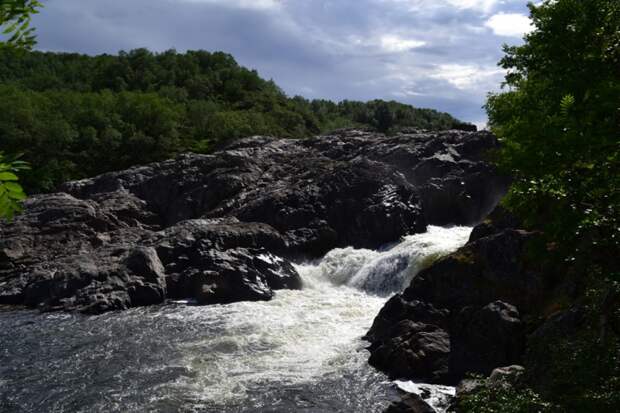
[[560, 125], [16, 17], [75, 116], [559, 122], [11, 193]]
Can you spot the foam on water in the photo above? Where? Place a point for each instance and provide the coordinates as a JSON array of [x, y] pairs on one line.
[[387, 271], [302, 351]]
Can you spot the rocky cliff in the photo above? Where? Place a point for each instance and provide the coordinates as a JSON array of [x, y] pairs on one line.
[[224, 227]]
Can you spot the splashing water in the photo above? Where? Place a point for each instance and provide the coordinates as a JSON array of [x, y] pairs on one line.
[[388, 271], [300, 352]]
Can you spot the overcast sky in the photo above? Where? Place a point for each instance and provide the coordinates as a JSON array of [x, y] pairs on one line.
[[440, 54]]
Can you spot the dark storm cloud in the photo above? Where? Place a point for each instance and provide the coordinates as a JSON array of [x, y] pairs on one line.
[[430, 53]]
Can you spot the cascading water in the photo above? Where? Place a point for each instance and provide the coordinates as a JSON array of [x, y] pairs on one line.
[[300, 352]]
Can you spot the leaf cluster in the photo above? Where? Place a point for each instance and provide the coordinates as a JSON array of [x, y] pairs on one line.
[[16, 17], [11, 192]]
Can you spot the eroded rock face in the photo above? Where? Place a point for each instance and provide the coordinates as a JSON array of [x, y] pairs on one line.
[[221, 228], [472, 301]]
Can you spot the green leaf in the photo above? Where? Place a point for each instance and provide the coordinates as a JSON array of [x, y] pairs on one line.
[[13, 187], [8, 176], [17, 196]]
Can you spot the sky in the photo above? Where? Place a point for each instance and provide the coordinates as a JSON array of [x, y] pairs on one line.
[[440, 54]]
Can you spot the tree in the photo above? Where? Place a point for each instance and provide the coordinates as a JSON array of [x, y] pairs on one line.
[[384, 117], [560, 127], [16, 15]]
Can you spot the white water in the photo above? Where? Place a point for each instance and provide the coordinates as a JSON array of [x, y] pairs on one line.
[[300, 352], [303, 336]]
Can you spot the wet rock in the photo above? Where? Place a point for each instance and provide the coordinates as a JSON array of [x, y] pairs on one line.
[[398, 309], [414, 351]]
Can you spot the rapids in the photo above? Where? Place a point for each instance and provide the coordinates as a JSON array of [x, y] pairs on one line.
[[300, 352]]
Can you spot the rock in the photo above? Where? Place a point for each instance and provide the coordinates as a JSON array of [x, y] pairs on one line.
[[472, 297], [509, 376], [414, 351], [398, 309], [485, 270], [469, 386], [484, 338], [223, 227], [498, 220], [410, 403], [350, 188], [223, 260]]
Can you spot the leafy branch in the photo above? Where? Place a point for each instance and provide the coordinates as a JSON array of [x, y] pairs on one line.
[[11, 193], [16, 16]]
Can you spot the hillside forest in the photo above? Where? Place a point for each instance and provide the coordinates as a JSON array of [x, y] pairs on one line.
[[73, 116]]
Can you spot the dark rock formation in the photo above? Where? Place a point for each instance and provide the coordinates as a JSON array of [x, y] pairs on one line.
[[414, 350], [220, 228], [484, 338], [410, 403], [468, 302]]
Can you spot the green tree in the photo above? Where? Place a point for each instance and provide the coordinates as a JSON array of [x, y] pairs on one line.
[[560, 126], [384, 117], [15, 19], [559, 122]]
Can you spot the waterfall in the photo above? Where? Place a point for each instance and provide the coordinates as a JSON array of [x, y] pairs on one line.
[[386, 271]]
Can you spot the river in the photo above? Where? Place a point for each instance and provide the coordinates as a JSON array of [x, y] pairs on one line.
[[300, 352]]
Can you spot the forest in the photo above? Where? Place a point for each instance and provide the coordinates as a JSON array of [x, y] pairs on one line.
[[74, 116]]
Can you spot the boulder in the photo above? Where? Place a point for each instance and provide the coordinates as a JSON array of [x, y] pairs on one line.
[[414, 351]]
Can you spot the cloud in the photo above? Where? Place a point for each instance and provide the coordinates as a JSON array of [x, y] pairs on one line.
[[466, 77], [483, 5], [509, 24], [431, 5], [241, 4], [392, 43]]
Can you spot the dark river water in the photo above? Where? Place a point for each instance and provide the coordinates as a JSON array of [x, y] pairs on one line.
[[300, 352]]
